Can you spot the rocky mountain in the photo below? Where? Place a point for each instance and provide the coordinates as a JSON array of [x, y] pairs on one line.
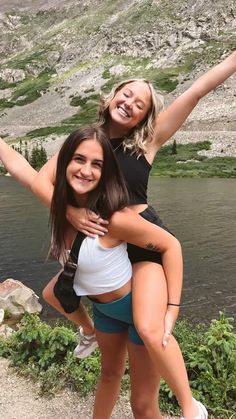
[[56, 56]]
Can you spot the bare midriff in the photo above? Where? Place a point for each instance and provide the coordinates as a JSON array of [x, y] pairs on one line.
[[108, 297]]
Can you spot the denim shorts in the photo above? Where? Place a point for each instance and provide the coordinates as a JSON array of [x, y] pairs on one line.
[[137, 254], [116, 317]]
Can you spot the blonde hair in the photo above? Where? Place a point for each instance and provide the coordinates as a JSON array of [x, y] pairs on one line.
[[142, 133]]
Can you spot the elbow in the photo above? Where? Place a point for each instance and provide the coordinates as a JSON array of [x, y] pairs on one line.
[[177, 245], [39, 190]]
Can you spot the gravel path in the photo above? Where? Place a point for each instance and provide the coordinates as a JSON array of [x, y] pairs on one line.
[[19, 399]]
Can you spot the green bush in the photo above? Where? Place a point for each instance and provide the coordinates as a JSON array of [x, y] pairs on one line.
[[210, 358], [212, 368], [46, 353], [188, 163]]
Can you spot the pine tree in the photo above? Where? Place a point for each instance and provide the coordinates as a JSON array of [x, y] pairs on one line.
[[174, 148]]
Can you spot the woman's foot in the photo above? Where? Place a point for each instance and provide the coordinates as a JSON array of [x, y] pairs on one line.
[[86, 346], [202, 412]]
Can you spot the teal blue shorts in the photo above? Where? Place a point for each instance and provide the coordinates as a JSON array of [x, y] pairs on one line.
[[116, 317]]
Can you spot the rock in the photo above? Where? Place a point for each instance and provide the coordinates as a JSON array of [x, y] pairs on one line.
[[12, 76], [53, 58], [16, 298], [1, 315], [118, 70], [5, 331]]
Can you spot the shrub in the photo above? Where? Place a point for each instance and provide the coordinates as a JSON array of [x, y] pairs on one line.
[[210, 357], [46, 353]]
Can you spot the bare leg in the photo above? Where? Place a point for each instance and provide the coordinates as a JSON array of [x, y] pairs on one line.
[[149, 291], [80, 316], [145, 383], [113, 348]]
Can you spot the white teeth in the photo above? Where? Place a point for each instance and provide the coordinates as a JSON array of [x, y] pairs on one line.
[[82, 179], [123, 111]]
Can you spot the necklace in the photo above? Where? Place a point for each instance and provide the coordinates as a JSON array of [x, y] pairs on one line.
[[118, 146]]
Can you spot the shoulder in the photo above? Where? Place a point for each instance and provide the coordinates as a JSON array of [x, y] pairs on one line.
[[120, 217], [126, 223]]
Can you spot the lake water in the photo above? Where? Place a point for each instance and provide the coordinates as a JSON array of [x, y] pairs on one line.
[[200, 212]]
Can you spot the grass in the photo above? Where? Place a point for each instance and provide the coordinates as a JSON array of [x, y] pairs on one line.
[[140, 17], [165, 80], [84, 102], [86, 115], [5, 85], [168, 164], [29, 90]]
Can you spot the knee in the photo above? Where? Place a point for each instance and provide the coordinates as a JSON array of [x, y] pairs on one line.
[[149, 333], [110, 375], [48, 294], [143, 407]]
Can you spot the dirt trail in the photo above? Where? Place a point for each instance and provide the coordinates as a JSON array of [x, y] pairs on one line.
[[19, 399]]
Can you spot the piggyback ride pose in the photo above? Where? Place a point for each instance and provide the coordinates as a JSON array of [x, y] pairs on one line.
[[137, 129], [88, 176]]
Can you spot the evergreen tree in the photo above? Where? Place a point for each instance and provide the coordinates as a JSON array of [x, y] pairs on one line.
[[26, 154], [38, 157], [174, 148], [34, 157]]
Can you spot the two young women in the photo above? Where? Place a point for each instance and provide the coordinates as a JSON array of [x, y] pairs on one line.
[[137, 129], [88, 176]]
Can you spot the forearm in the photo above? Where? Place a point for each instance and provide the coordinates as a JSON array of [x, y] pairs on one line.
[[173, 267], [17, 165], [215, 76]]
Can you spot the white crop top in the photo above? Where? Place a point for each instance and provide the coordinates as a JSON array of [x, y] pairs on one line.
[[101, 269]]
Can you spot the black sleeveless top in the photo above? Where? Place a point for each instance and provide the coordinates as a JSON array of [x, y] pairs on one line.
[[135, 171]]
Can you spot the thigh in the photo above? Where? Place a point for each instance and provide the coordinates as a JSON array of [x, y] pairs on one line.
[[149, 292], [145, 382], [48, 292], [113, 347], [137, 254], [79, 316], [116, 317]]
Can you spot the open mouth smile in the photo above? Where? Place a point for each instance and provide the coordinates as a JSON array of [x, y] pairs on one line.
[[82, 179], [123, 111]]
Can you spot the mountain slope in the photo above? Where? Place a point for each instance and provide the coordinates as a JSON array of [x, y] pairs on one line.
[[53, 54]]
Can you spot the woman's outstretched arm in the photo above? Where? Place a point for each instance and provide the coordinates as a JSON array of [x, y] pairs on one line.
[[17, 165], [43, 184], [171, 119]]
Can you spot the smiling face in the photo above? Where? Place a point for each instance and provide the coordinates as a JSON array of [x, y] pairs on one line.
[[129, 106], [84, 171]]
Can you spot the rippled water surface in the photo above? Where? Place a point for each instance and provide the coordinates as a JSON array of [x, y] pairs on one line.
[[200, 212]]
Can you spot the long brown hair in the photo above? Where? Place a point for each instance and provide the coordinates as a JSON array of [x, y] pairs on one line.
[[109, 196]]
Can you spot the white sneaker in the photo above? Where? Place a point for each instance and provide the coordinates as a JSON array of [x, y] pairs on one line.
[[202, 412], [86, 345]]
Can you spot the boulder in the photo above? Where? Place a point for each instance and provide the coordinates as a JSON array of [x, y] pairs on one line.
[[10, 75], [16, 299], [1, 315], [5, 331]]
